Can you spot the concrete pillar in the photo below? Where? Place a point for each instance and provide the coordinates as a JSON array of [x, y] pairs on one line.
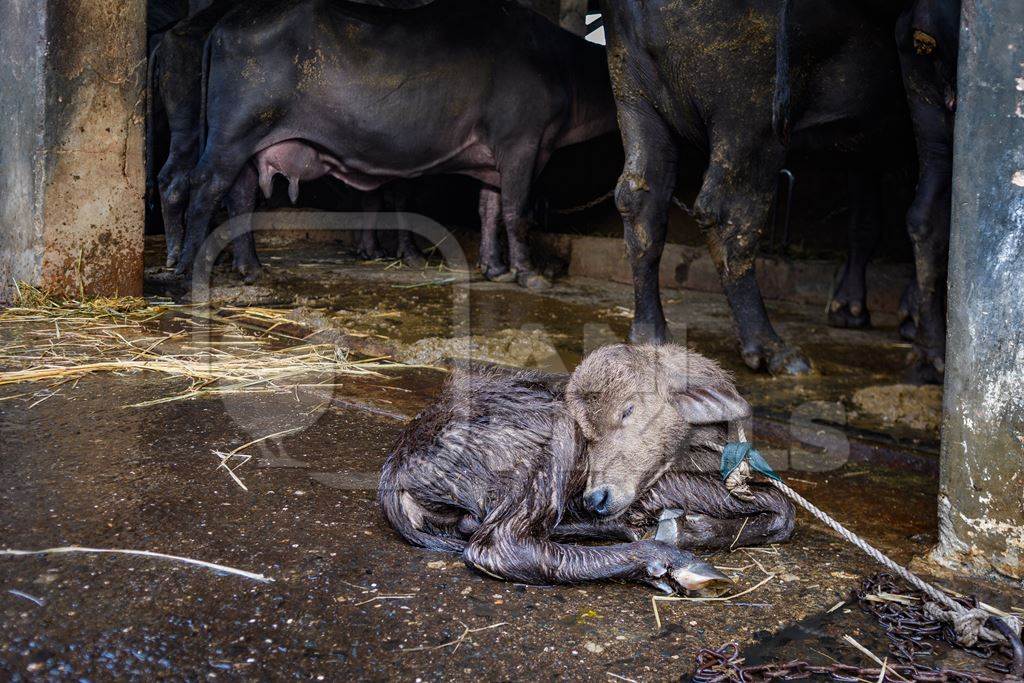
[[72, 97], [981, 499]]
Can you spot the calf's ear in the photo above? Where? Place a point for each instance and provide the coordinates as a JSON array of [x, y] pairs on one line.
[[711, 404], [699, 389]]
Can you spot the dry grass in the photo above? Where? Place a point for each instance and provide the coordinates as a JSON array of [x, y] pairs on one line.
[[63, 340], [34, 305]]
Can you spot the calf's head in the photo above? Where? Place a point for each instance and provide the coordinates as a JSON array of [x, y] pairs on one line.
[[636, 405]]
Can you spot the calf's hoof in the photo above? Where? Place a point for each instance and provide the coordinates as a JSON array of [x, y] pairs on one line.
[[671, 570], [777, 359], [532, 280], [848, 314]]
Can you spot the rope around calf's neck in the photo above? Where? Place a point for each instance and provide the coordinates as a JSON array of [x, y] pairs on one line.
[[969, 624]]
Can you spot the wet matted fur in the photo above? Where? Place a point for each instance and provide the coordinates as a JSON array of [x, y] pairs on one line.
[[505, 466]]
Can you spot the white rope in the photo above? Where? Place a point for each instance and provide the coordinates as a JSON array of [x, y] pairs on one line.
[[968, 623]]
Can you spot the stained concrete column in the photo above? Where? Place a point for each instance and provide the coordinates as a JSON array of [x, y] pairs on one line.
[[981, 499], [72, 75]]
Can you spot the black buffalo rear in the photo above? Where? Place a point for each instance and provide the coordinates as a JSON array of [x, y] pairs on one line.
[[369, 95]]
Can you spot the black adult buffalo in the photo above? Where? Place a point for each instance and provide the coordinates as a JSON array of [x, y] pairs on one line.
[[161, 16], [701, 76], [368, 95], [927, 36], [175, 76]]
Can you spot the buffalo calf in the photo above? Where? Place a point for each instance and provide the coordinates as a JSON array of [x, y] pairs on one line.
[[505, 467]]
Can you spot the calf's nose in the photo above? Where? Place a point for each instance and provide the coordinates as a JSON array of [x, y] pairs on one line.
[[597, 500]]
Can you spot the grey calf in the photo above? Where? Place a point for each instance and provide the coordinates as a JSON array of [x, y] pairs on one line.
[[506, 465]]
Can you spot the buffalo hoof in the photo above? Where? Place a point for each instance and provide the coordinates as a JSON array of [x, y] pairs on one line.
[[777, 359], [908, 329], [926, 367], [250, 274], [414, 259], [498, 274], [845, 314], [908, 312], [532, 281], [371, 254], [173, 254]]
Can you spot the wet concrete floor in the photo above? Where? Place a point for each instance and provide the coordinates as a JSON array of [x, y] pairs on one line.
[[348, 599]]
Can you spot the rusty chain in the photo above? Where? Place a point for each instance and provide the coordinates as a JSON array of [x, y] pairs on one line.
[[912, 633], [726, 664]]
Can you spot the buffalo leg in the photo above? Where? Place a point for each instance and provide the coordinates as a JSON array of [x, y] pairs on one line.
[[848, 307], [908, 311], [407, 249], [516, 184], [210, 182], [642, 196], [711, 517], [733, 205], [172, 183], [492, 263], [240, 203], [928, 226], [369, 245]]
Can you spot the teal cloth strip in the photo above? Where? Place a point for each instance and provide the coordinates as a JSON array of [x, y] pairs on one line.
[[736, 452]]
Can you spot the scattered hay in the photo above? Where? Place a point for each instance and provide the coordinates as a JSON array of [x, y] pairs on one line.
[[216, 356], [225, 458], [32, 304], [457, 642], [655, 599]]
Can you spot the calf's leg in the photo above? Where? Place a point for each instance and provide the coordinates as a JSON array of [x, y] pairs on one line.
[[514, 541], [596, 530], [712, 518]]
